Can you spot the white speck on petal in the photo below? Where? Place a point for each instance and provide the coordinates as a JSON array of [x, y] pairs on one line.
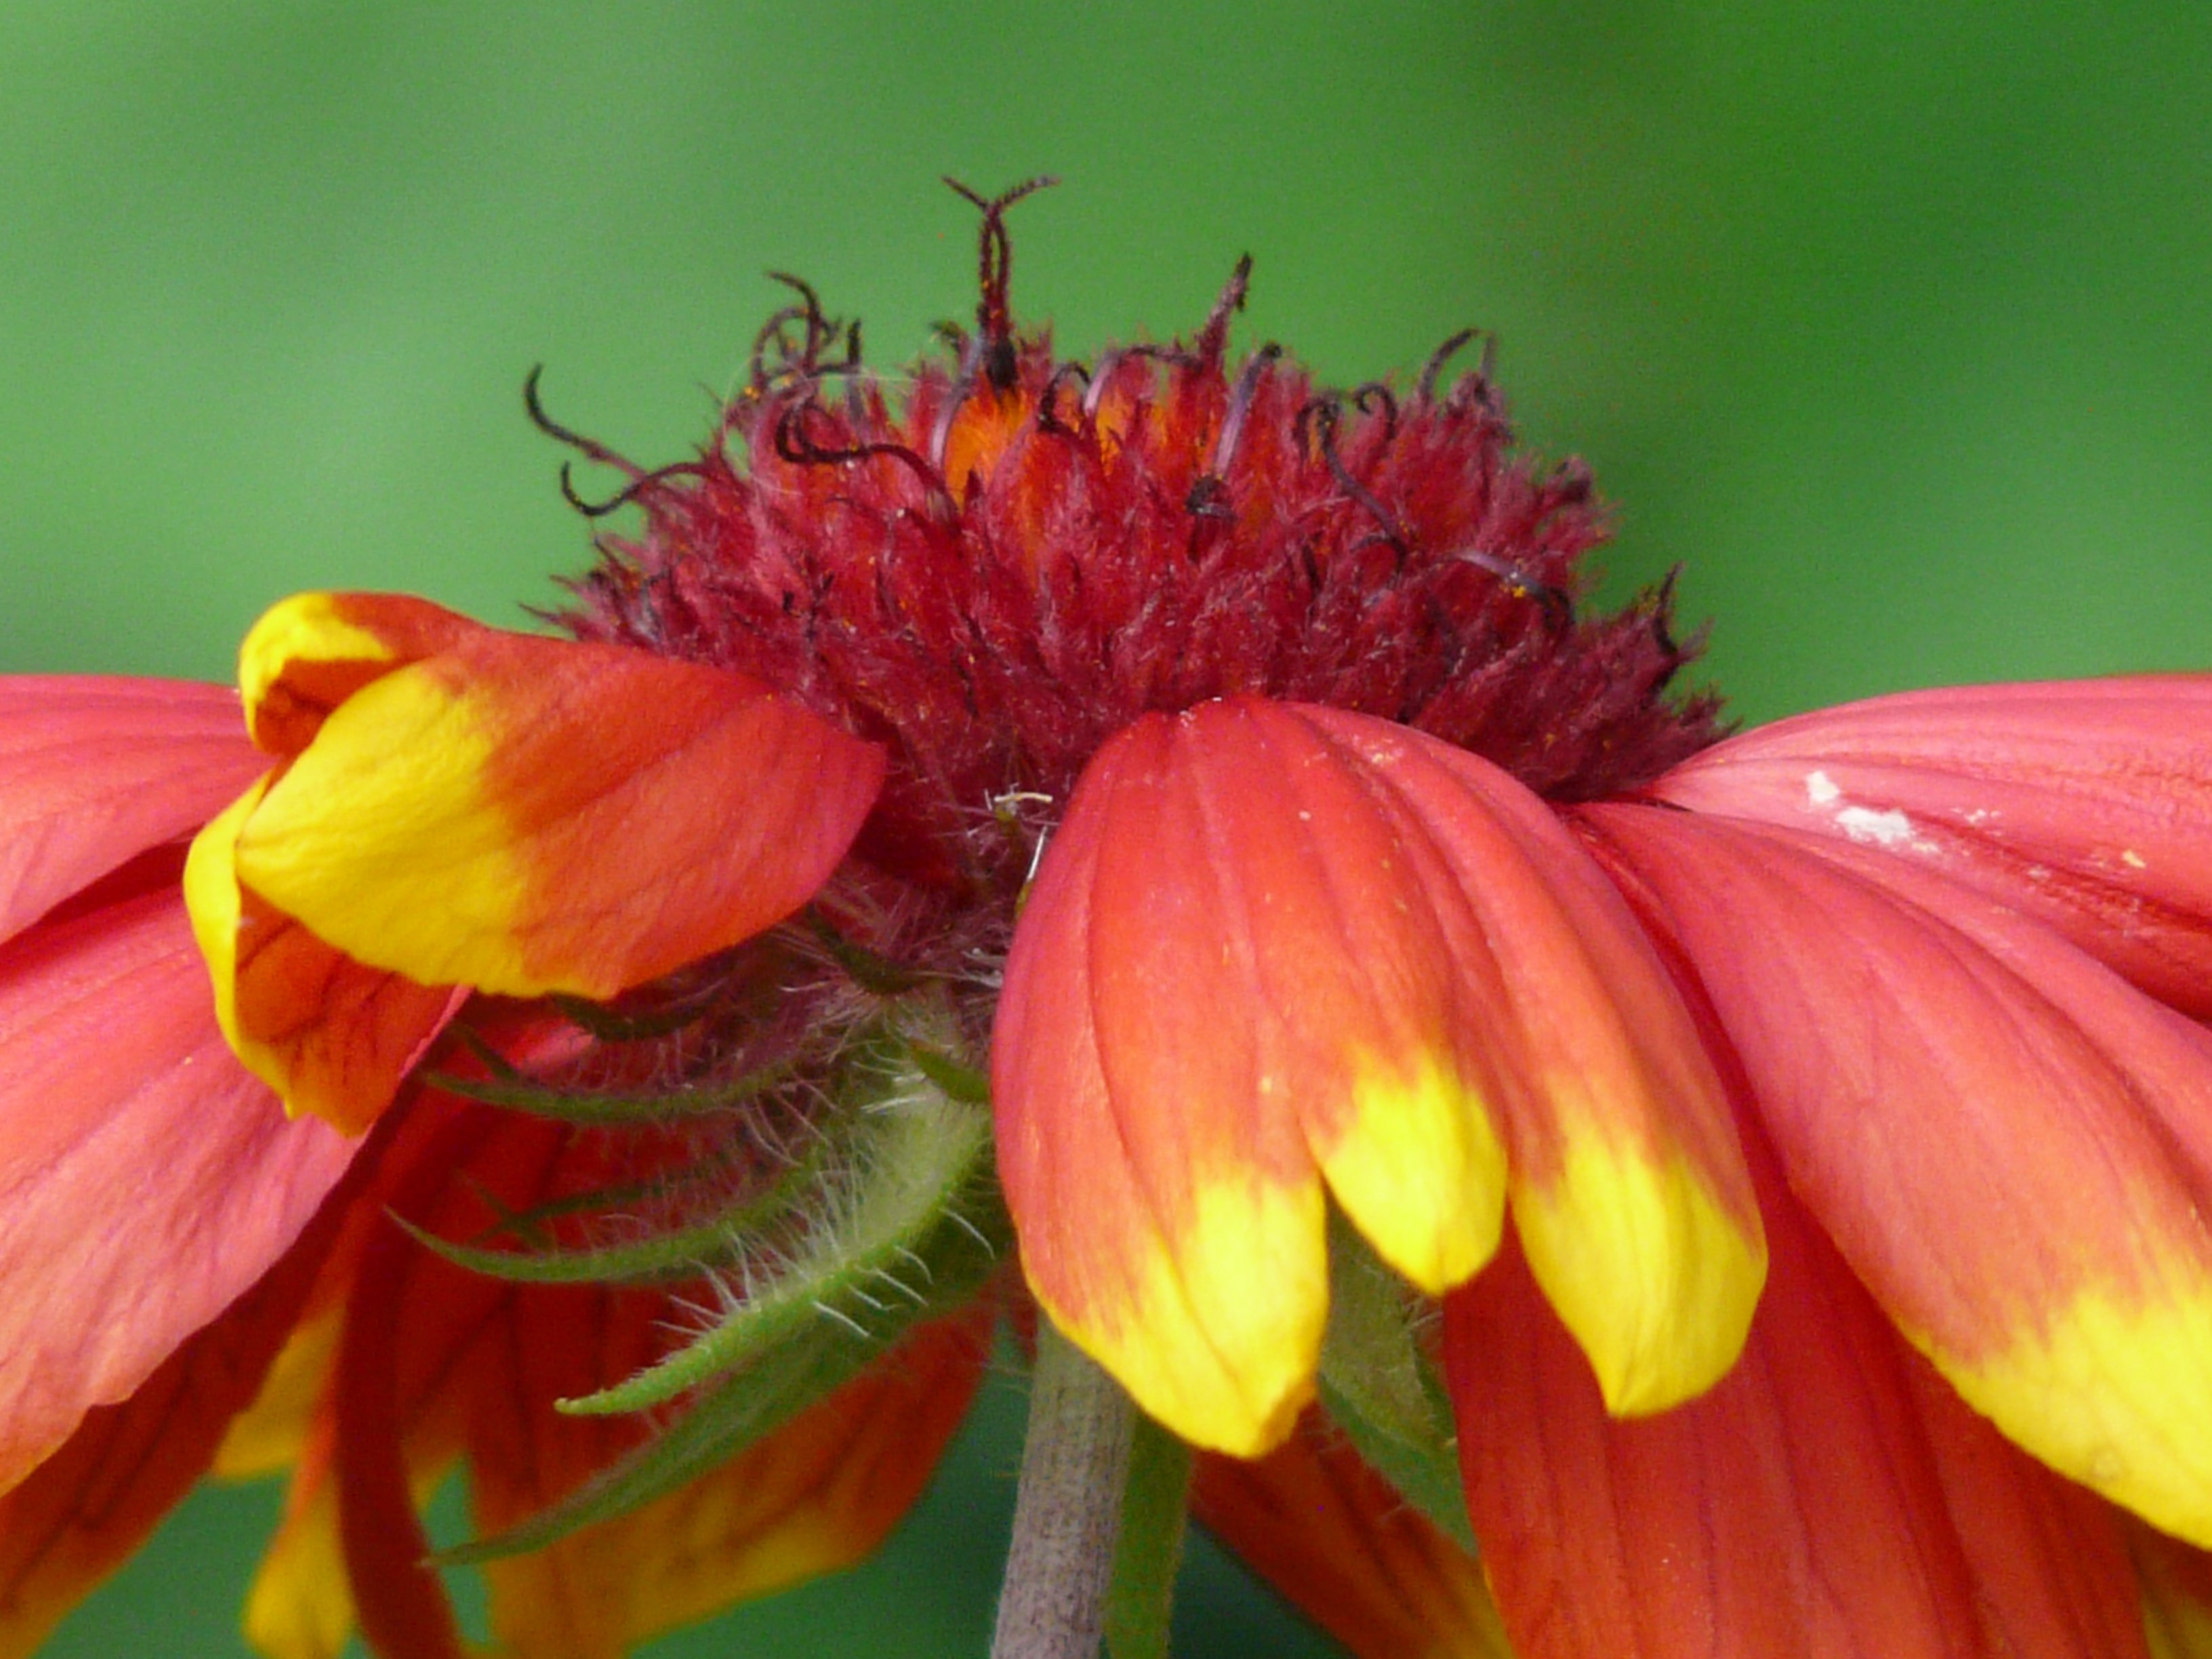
[[2133, 860], [1891, 830]]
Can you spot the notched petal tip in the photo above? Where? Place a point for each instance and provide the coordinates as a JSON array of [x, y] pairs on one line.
[[1422, 1176], [1228, 987], [308, 653], [1627, 1185]]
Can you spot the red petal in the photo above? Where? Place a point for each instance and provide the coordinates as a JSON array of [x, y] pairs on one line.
[[2177, 1583], [2048, 1557], [437, 1361], [145, 1179], [2012, 1148], [1629, 1194], [1338, 1541], [94, 771], [817, 1495], [1224, 975], [2088, 804], [1828, 1498], [80, 1515], [1271, 943]]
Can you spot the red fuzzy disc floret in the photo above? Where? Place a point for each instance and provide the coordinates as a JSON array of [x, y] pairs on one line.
[[995, 566]]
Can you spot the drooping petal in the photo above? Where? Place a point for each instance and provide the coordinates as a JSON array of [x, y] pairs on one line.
[[1225, 977], [525, 815], [308, 653], [817, 1495], [331, 1037], [1805, 1505], [438, 1364], [301, 1604], [2177, 1589], [1629, 1193], [145, 1179], [2012, 1146], [2087, 804], [94, 771], [1270, 940], [80, 1514], [1336, 1540]]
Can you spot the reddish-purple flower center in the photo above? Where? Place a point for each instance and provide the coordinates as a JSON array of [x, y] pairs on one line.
[[996, 565]]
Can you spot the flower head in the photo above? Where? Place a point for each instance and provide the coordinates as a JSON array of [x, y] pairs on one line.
[[1186, 825]]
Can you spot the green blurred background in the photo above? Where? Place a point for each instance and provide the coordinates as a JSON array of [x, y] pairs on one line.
[[1890, 321]]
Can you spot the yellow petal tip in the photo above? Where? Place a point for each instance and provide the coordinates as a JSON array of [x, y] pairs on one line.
[[1218, 1339], [2110, 1391], [1656, 1279]]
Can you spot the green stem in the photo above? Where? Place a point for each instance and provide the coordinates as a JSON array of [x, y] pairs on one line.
[[1150, 1549], [1067, 1509]]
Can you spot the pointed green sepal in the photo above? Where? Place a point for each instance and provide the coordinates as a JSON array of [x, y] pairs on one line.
[[1380, 1386], [598, 1108], [907, 1184], [678, 1253]]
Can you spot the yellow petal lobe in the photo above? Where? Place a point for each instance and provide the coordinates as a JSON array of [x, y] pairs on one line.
[[308, 653], [1217, 1335], [299, 1606], [331, 1037], [382, 831], [212, 898], [1419, 1170], [1655, 1277], [2109, 1391]]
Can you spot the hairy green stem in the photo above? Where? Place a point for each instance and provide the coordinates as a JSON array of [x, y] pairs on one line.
[[1067, 1508], [1149, 1552]]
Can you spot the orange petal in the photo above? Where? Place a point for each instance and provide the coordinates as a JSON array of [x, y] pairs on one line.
[[80, 1514], [1341, 1544], [1226, 981], [2087, 804], [2012, 1146], [524, 815], [332, 1037], [145, 1179], [94, 771]]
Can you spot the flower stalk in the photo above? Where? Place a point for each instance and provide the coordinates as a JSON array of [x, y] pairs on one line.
[[1067, 1507], [1155, 1503]]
